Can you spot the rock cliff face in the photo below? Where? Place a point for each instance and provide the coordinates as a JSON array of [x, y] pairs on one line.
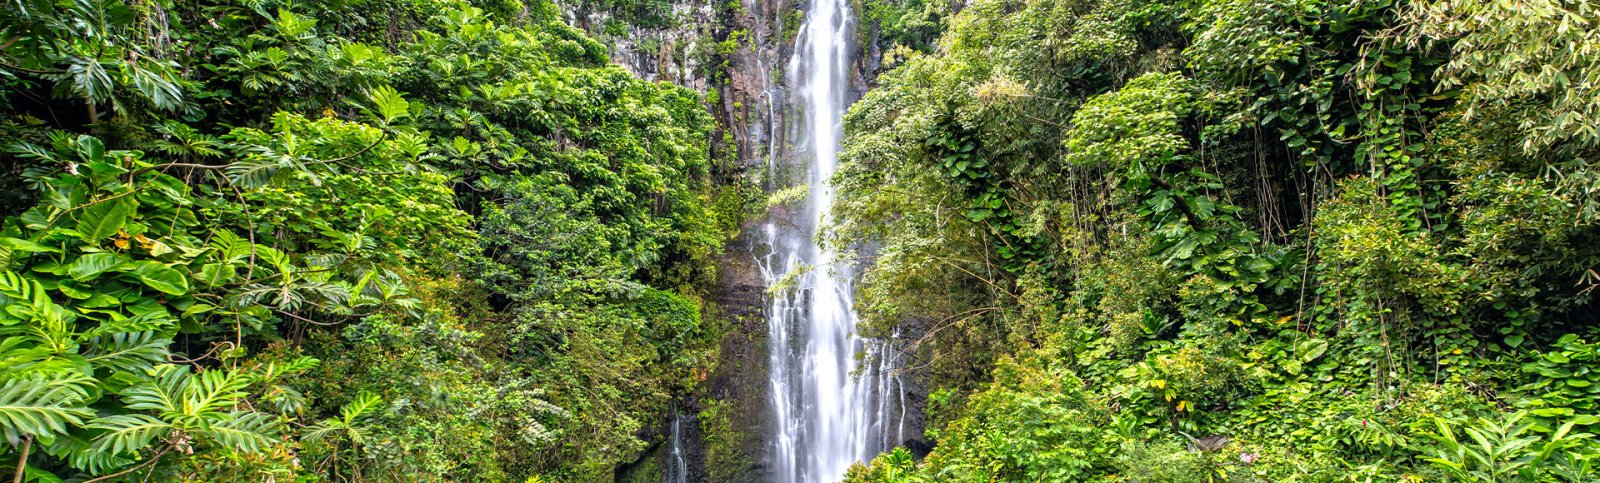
[[736, 52], [733, 51]]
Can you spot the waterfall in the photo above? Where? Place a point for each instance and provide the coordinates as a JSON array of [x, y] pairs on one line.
[[677, 468], [829, 412]]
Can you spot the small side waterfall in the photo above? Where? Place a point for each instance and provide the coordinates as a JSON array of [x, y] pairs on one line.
[[677, 465], [829, 412]]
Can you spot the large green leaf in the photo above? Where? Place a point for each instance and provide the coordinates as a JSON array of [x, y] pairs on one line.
[[161, 277], [90, 149], [365, 403], [103, 219], [214, 274], [81, 455], [14, 286], [89, 266], [28, 246]]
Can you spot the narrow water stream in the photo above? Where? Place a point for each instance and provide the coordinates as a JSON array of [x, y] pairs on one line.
[[829, 414], [677, 465]]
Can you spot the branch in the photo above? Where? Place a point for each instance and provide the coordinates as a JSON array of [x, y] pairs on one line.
[[31, 71], [1183, 205], [299, 318], [382, 135], [163, 167], [22, 463], [151, 461]]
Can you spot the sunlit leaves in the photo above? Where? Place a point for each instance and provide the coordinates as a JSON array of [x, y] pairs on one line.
[[1136, 127], [391, 106], [104, 218], [289, 24], [346, 425], [87, 78], [1536, 61], [200, 405]]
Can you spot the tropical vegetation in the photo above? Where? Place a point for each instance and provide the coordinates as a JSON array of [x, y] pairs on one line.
[[407, 240], [1235, 240]]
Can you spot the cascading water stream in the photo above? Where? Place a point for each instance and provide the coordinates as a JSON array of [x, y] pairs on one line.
[[677, 467], [829, 413]]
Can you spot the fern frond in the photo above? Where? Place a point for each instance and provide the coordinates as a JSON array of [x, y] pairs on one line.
[[233, 247], [16, 288]]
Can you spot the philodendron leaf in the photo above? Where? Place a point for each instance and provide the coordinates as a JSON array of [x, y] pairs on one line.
[[214, 274], [90, 149], [103, 219], [161, 277], [1311, 349], [28, 246], [89, 266]]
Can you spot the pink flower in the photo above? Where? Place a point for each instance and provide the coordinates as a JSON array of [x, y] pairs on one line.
[[1247, 458]]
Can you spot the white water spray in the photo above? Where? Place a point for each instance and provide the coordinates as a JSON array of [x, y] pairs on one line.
[[829, 413]]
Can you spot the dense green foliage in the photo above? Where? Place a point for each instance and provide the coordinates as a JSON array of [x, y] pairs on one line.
[[1236, 240], [394, 240]]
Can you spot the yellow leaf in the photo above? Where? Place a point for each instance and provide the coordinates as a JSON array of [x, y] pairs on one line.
[[1181, 405], [1284, 319]]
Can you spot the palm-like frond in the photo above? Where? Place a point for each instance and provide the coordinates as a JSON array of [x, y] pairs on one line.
[[150, 321], [20, 358], [211, 392], [127, 433], [323, 429], [160, 390], [247, 431], [234, 248], [364, 403], [127, 351], [16, 289], [81, 455], [42, 406]]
